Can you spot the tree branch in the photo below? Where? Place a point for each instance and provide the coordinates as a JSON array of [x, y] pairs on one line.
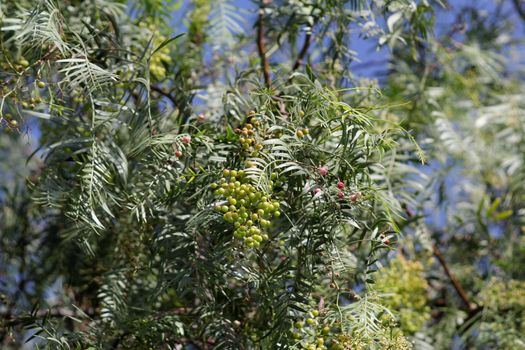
[[304, 50], [262, 49], [164, 93], [455, 283], [471, 307], [519, 9]]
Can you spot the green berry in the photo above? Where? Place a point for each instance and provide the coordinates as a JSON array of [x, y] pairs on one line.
[[228, 217]]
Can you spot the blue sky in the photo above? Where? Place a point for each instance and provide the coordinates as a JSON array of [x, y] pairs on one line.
[[371, 61]]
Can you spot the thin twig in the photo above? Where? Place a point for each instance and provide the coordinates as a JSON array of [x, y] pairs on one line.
[[262, 49], [304, 50], [164, 93]]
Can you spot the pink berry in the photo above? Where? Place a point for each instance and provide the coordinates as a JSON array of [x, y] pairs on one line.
[[178, 153], [340, 185], [201, 117], [340, 194], [317, 190], [186, 139], [354, 197], [323, 171]]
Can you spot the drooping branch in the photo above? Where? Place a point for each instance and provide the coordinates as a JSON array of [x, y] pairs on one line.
[[265, 65], [304, 50]]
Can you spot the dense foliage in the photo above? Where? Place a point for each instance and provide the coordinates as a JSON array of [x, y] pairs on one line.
[[220, 175]]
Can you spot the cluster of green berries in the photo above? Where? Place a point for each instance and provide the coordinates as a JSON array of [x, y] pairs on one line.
[[300, 133], [78, 96], [24, 102], [248, 140], [31, 102], [20, 65], [313, 334], [246, 207], [9, 122], [17, 96]]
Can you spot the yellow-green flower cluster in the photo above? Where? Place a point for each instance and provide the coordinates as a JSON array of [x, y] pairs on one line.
[[385, 339], [406, 293], [161, 56], [500, 296]]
